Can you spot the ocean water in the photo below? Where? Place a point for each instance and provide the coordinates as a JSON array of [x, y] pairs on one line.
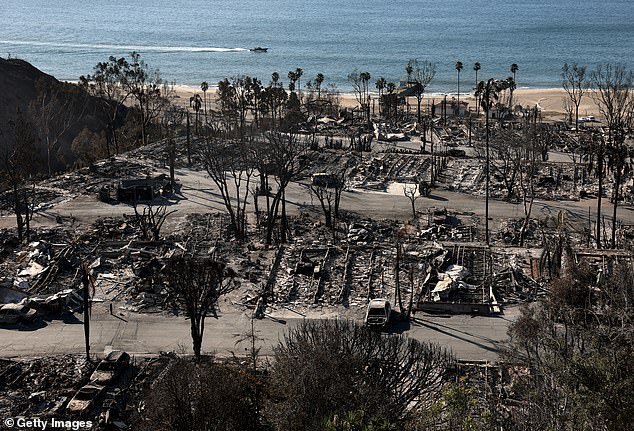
[[191, 41]]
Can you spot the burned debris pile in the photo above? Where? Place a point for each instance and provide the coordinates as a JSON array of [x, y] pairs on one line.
[[41, 387], [436, 258], [64, 387], [365, 259]]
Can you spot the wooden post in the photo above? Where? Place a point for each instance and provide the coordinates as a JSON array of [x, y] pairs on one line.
[[397, 271], [589, 226], [86, 282], [411, 296], [172, 156], [189, 146]]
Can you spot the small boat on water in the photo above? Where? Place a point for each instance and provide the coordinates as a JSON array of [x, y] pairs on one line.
[[258, 49]]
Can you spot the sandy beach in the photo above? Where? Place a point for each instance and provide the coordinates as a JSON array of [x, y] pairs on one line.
[[550, 101]]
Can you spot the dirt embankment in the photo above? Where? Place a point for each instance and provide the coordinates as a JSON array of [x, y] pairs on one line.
[[25, 89]]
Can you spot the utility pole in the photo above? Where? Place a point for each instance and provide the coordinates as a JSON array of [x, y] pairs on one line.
[[486, 206], [85, 281]]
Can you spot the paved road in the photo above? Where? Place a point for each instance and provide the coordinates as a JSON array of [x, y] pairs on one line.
[[470, 338], [200, 195]]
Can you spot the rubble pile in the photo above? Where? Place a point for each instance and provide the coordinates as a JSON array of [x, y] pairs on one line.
[[468, 176], [41, 387], [553, 180], [122, 265], [476, 274], [452, 281], [8, 245], [313, 273], [517, 274], [41, 197], [387, 167], [329, 276], [89, 180], [331, 160], [602, 262], [444, 225], [509, 232], [512, 286], [375, 170], [362, 266], [317, 269], [115, 229], [27, 266], [456, 275]]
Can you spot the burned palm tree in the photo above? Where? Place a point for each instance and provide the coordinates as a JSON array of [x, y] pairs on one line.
[[204, 86], [196, 103], [458, 70], [476, 68]]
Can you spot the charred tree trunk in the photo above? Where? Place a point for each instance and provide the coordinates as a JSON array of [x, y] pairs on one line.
[[432, 167], [197, 329], [283, 236], [172, 156], [418, 102], [271, 216], [486, 168], [411, 296], [27, 215], [600, 194], [189, 142], [86, 300], [397, 282], [143, 127], [17, 207], [617, 185]]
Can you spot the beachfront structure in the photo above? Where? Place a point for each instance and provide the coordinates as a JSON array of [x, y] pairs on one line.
[[499, 112], [451, 108]]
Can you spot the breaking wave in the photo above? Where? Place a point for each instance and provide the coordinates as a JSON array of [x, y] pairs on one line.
[[140, 48]]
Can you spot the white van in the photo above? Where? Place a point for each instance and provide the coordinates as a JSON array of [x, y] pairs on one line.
[[378, 314]]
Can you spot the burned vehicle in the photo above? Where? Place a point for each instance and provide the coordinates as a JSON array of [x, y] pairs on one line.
[[378, 313], [85, 399], [110, 367]]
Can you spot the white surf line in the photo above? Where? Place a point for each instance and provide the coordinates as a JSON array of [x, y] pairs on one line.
[[123, 47]]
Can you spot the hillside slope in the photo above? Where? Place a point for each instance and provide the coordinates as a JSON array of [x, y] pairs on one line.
[[23, 87]]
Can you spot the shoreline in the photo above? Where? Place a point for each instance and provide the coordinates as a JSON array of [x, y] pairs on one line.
[[550, 101]]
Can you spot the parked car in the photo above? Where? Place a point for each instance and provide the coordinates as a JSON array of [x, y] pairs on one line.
[[378, 313], [11, 314], [110, 367], [85, 399]]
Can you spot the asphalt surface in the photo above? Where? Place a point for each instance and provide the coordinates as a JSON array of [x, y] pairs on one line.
[[200, 195], [469, 337]]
